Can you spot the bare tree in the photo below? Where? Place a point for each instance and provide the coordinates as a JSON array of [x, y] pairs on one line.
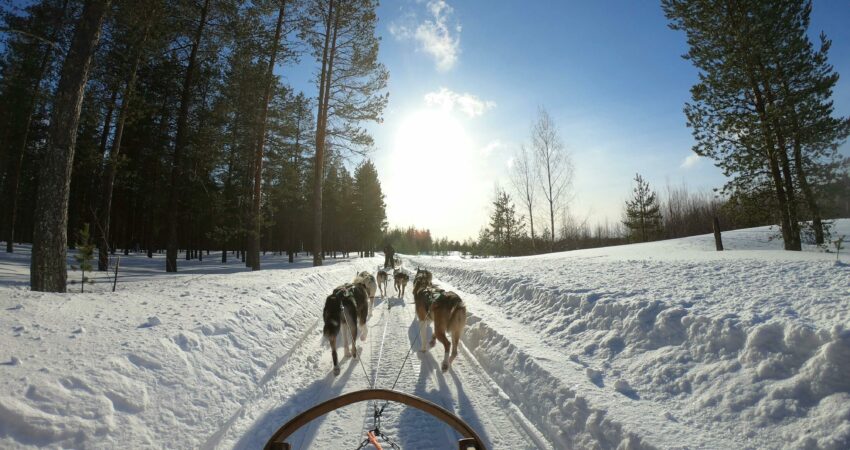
[[522, 178], [553, 166]]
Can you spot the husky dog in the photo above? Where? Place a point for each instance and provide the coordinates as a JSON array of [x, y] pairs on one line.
[[445, 309], [382, 280], [368, 280], [401, 279], [423, 274], [396, 262], [344, 309]]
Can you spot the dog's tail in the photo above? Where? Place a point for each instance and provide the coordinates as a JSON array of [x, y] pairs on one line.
[[332, 316], [457, 319]]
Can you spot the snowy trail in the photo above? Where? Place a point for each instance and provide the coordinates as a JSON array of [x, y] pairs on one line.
[[661, 345], [466, 390]]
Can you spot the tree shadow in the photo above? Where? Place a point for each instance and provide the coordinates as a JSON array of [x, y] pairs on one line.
[[466, 411], [414, 424], [320, 390]]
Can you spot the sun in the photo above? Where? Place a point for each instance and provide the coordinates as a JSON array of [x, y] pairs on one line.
[[434, 165]]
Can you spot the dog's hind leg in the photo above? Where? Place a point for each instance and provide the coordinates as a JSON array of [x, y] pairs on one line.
[[332, 341], [344, 332], [354, 340], [423, 325], [440, 333], [433, 341]]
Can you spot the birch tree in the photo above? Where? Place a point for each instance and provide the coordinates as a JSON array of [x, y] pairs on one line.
[[554, 167]]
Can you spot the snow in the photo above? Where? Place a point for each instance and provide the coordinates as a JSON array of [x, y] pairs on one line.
[[659, 345]]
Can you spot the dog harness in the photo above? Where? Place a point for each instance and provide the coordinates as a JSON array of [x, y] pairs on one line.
[[347, 290]]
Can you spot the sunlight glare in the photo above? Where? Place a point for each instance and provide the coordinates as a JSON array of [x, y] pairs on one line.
[[435, 156]]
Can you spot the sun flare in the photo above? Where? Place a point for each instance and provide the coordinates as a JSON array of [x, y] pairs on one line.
[[432, 151]]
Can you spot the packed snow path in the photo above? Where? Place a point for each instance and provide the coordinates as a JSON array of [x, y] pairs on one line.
[[305, 379]]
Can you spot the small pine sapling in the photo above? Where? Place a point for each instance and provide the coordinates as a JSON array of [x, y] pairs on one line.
[[84, 256]]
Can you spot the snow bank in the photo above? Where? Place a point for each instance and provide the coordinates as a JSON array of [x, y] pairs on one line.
[[165, 361], [750, 344]]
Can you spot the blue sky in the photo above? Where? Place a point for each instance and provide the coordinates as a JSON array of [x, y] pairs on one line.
[[467, 77]]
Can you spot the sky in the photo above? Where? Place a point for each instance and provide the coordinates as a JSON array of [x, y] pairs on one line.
[[467, 79]]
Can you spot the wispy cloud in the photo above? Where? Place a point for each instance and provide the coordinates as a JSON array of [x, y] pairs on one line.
[[488, 149], [691, 161], [435, 35], [466, 103]]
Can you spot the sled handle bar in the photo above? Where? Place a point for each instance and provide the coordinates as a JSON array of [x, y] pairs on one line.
[[470, 441]]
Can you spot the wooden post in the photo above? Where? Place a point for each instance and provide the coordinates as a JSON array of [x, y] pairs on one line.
[[115, 279], [718, 242]]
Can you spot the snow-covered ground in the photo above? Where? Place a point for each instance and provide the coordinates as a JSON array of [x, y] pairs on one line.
[[667, 344]]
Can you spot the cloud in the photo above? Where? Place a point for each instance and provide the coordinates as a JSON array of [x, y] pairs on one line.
[[449, 100], [691, 161], [487, 150], [434, 35]]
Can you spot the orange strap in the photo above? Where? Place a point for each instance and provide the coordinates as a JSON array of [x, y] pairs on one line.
[[373, 440]]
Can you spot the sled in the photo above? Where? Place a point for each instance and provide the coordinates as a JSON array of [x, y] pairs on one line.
[[469, 441]]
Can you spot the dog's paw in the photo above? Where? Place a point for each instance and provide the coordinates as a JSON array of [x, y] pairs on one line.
[[336, 371], [432, 343], [445, 367]]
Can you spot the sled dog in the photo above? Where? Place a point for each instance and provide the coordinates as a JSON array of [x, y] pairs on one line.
[[344, 309], [445, 308], [368, 280], [401, 278], [382, 279]]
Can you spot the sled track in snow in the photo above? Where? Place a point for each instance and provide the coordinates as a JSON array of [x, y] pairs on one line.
[[302, 377], [215, 439]]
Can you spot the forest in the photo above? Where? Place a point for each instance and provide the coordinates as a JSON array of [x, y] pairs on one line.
[[166, 126]]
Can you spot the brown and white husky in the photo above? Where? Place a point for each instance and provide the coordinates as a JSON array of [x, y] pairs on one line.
[[345, 309], [445, 308], [382, 279], [367, 280]]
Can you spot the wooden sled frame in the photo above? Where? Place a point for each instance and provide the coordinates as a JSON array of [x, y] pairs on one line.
[[470, 440]]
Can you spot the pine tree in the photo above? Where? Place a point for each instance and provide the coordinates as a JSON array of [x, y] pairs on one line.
[[25, 67], [643, 213], [48, 268], [342, 38], [84, 255], [181, 139], [506, 228], [761, 109], [370, 207]]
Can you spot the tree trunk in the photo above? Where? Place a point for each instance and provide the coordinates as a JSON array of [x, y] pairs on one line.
[[718, 241], [258, 155], [321, 127], [793, 219], [180, 142], [18, 160], [48, 270], [779, 190], [112, 164], [808, 194]]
